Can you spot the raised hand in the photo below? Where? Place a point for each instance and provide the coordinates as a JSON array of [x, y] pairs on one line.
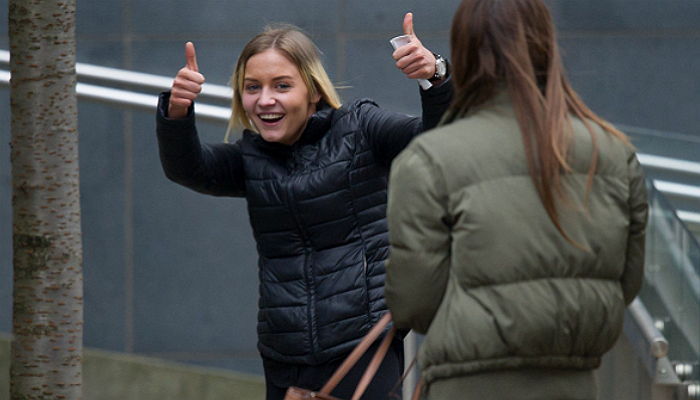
[[186, 85], [413, 59]]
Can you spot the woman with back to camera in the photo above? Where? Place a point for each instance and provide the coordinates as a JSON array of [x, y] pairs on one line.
[[517, 227], [314, 174]]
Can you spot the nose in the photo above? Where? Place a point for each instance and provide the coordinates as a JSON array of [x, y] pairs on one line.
[[267, 98]]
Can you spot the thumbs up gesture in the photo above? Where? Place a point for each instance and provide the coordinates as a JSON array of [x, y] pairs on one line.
[[414, 60], [186, 85]]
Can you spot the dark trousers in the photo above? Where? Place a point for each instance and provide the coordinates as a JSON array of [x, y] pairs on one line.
[[279, 376]]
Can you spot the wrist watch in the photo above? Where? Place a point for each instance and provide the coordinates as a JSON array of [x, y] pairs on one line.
[[440, 68]]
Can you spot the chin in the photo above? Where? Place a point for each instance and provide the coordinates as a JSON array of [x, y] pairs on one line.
[[273, 137]]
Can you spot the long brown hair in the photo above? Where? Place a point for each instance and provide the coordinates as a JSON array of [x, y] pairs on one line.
[[513, 43], [300, 50]]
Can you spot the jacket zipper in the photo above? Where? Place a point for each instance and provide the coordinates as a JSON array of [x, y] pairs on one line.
[[307, 246], [365, 267]]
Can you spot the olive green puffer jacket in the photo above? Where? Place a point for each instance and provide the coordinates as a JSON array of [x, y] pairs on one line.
[[477, 265]]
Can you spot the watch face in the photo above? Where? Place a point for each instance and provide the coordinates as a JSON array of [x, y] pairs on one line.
[[440, 68]]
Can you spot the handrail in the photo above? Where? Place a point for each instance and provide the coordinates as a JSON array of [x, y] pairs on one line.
[[689, 216], [135, 100], [678, 189], [145, 101], [669, 164], [139, 79], [657, 343], [650, 345]]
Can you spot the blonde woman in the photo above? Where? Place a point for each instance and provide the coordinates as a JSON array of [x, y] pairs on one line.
[[517, 228], [314, 173]]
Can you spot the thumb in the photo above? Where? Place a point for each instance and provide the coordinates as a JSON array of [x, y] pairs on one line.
[[191, 57], [408, 24]]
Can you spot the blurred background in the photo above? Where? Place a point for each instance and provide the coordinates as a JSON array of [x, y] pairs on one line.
[[171, 273]]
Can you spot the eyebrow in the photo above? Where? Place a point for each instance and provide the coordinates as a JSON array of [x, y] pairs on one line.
[[278, 78]]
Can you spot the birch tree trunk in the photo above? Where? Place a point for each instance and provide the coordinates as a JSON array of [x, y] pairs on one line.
[[48, 291]]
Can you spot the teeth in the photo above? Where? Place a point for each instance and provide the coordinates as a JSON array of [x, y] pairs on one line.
[[271, 116]]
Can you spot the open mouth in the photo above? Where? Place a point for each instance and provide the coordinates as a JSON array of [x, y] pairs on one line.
[[270, 118]]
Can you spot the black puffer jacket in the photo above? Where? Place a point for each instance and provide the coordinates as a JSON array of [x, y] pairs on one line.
[[317, 209]]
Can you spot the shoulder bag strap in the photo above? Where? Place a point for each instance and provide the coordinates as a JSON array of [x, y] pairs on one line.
[[355, 355], [374, 365], [418, 390]]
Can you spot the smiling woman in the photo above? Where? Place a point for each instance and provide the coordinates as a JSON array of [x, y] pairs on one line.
[[275, 97], [314, 174], [288, 56]]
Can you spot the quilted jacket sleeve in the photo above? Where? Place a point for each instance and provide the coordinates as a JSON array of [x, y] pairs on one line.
[[211, 169], [390, 132], [419, 234], [633, 273]]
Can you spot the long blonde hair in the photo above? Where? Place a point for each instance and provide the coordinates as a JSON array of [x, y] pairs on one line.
[[300, 50], [514, 42]]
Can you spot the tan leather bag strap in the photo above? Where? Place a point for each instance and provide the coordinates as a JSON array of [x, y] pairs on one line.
[[407, 371], [374, 365], [355, 355], [418, 389]]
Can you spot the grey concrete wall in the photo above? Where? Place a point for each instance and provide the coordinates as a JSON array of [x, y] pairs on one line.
[[172, 273], [635, 61], [118, 376]]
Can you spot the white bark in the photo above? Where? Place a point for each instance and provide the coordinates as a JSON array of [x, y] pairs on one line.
[[48, 302]]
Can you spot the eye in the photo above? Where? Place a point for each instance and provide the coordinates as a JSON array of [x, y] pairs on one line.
[[251, 87], [284, 86]]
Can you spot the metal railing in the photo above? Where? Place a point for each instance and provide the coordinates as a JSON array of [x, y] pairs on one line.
[[129, 98], [652, 348], [677, 190], [671, 293]]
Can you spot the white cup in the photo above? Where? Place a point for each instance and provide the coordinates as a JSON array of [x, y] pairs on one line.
[[402, 41]]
